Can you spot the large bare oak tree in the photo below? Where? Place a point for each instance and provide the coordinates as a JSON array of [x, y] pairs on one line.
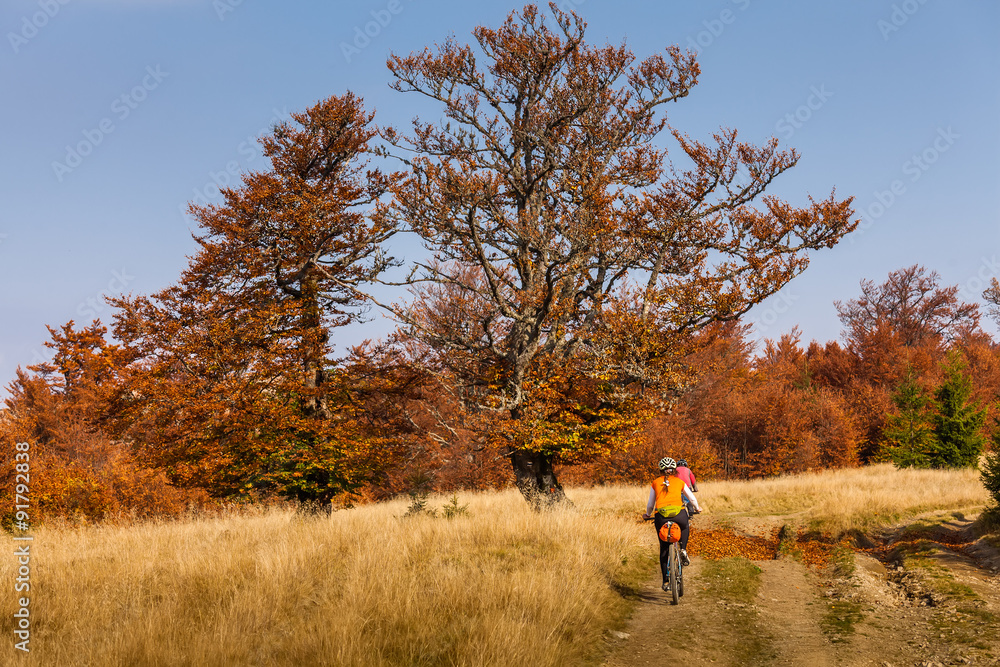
[[570, 241]]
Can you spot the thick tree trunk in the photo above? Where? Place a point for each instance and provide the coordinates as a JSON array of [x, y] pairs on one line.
[[314, 351], [536, 480], [318, 507]]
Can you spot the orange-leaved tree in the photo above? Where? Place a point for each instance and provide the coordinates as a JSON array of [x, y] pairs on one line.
[[992, 296], [911, 302], [51, 439], [233, 385], [896, 329], [593, 258]]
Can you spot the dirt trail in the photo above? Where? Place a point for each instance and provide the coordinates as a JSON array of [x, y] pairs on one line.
[[784, 620], [801, 617], [690, 633], [789, 607]]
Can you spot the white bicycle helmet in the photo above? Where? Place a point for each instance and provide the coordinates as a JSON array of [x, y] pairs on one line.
[[667, 463]]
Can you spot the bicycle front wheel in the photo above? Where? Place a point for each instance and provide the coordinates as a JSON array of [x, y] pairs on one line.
[[675, 573]]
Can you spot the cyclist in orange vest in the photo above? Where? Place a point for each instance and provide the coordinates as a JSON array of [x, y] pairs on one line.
[[667, 496]]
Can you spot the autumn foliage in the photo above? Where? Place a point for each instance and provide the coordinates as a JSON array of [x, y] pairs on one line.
[[76, 469], [231, 381], [583, 240], [747, 413], [576, 315]]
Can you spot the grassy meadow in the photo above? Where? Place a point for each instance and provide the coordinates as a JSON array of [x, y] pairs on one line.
[[837, 501], [500, 585]]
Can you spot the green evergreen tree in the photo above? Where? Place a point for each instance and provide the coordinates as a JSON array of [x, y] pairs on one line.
[[958, 439], [910, 433], [990, 473]]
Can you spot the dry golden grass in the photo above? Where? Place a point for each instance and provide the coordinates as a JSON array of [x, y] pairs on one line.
[[856, 498], [503, 586]]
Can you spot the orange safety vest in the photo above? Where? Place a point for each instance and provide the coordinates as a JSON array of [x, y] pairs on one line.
[[669, 495]]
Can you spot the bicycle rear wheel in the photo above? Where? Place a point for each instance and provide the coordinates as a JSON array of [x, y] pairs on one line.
[[674, 567]]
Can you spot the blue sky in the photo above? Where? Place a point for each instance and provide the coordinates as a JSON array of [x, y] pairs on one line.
[[116, 113]]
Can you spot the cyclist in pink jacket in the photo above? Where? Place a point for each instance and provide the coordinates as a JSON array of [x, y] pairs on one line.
[[686, 475]]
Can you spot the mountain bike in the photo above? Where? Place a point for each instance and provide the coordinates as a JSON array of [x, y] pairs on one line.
[[675, 567]]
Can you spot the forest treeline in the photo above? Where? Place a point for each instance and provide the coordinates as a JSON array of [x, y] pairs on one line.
[[913, 380], [913, 363], [576, 312]]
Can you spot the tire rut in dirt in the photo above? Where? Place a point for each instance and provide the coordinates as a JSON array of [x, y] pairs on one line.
[[790, 606], [694, 633]]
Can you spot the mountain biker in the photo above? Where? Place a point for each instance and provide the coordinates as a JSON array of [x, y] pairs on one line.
[[688, 478], [667, 496], [685, 474]]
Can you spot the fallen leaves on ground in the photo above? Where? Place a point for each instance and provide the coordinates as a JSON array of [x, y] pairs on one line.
[[717, 543]]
